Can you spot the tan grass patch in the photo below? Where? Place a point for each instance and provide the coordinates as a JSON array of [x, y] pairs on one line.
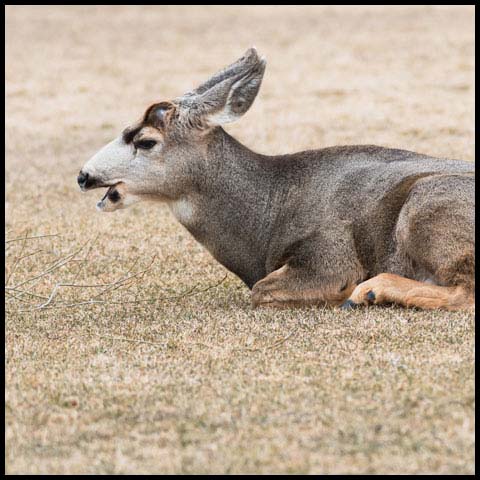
[[200, 383]]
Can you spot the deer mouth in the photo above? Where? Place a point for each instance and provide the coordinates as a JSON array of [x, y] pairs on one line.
[[111, 198]]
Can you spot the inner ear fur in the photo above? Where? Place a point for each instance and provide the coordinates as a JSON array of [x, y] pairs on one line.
[[229, 99]]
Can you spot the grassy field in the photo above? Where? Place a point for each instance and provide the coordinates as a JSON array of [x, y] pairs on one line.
[[128, 348]]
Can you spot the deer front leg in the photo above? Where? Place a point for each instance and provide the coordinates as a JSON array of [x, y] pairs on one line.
[[288, 287], [390, 288]]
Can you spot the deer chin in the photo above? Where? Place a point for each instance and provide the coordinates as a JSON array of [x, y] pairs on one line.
[[116, 198]]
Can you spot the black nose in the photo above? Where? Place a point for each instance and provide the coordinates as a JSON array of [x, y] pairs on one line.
[[82, 179]]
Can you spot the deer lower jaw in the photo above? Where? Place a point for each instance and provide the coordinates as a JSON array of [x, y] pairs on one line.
[[115, 198], [112, 196]]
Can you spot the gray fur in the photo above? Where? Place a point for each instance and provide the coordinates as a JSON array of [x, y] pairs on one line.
[[334, 211], [336, 216]]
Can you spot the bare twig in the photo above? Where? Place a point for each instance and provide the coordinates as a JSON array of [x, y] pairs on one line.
[[31, 254], [30, 238], [110, 286], [60, 263], [84, 260], [126, 278], [12, 296], [17, 260], [8, 290], [189, 293]]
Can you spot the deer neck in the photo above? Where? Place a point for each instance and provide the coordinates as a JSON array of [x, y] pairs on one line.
[[231, 210]]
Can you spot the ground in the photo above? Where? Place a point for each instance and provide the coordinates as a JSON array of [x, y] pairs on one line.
[[154, 361]]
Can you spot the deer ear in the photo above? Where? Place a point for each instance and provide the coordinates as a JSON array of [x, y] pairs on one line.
[[230, 99], [227, 95]]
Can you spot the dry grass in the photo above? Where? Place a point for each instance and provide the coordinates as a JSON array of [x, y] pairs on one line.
[[163, 377]]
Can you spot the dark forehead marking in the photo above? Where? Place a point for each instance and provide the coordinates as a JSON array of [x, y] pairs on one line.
[[149, 118], [155, 114], [129, 133]]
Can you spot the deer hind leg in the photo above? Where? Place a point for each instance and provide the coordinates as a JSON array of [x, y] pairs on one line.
[[435, 236], [287, 287], [391, 288]]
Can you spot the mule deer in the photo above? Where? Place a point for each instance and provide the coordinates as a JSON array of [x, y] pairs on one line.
[[346, 225]]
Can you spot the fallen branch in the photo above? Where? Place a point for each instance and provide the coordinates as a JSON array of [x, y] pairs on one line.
[[58, 264], [8, 291], [110, 286], [120, 282], [84, 260], [17, 260], [30, 238], [189, 293]]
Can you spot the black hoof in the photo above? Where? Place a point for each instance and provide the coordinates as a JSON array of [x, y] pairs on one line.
[[371, 296], [349, 304]]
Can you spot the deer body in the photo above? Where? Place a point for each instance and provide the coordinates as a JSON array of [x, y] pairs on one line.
[[345, 225]]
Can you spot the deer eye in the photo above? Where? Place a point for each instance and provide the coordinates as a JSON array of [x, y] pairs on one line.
[[145, 144]]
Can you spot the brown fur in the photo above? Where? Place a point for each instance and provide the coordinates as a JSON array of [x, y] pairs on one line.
[[281, 289], [391, 288]]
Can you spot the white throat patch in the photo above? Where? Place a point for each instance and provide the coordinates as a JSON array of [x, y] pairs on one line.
[[183, 210]]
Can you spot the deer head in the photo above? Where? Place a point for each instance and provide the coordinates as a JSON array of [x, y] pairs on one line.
[[155, 157]]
